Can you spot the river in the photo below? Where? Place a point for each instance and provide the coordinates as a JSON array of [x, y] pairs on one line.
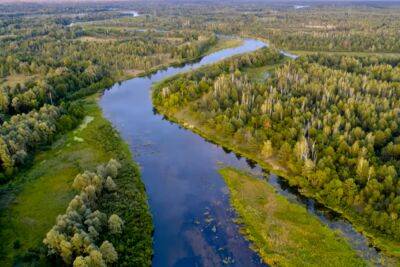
[[194, 223]]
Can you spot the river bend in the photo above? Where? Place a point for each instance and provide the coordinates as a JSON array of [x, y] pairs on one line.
[[194, 223]]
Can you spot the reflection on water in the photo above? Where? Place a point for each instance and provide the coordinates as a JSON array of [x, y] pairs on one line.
[[188, 199], [194, 223], [300, 6], [133, 13]]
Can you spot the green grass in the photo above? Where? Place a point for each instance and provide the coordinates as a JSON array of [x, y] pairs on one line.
[[284, 233], [31, 203]]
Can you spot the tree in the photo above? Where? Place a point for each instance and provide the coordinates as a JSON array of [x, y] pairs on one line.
[[66, 251], [363, 169], [267, 150], [108, 251], [96, 259], [301, 149], [78, 231], [115, 224], [112, 168], [110, 185], [80, 261], [5, 158]]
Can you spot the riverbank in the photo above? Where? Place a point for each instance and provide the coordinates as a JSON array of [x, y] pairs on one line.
[[284, 233], [41, 192], [200, 225], [32, 202], [189, 120], [192, 121], [222, 43]]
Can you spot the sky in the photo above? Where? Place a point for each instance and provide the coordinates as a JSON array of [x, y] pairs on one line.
[[276, 1]]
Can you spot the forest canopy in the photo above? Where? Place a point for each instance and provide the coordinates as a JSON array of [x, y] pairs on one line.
[[333, 122]]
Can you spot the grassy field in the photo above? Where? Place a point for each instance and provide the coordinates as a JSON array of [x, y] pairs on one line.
[[30, 204], [284, 233]]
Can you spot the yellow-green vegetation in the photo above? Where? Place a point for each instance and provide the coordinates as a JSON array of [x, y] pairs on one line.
[[201, 112], [189, 119], [79, 243], [284, 233], [31, 203], [224, 43], [12, 80], [264, 72], [95, 39], [345, 53]]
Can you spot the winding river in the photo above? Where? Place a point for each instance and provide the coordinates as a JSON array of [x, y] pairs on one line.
[[194, 223]]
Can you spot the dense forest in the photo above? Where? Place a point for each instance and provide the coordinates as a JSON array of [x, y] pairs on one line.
[[43, 62], [52, 57], [332, 122], [329, 120], [320, 27]]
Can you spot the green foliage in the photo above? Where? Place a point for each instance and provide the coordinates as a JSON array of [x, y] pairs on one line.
[[191, 86], [38, 194], [321, 123], [23, 133], [78, 232], [282, 232], [361, 27], [63, 66]]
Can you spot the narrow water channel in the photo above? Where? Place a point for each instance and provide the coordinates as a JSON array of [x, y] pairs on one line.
[[194, 223]]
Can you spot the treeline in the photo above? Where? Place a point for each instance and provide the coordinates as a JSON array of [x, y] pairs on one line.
[[54, 66], [78, 233], [115, 49], [374, 67], [23, 133], [33, 113], [123, 194], [335, 41], [196, 49], [55, 86], [358, 27], [190, 86], [337, 132]]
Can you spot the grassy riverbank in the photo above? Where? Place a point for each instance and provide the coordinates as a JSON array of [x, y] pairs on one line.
[[189, 120], [251, 150], [284, 233], [32, 202]]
